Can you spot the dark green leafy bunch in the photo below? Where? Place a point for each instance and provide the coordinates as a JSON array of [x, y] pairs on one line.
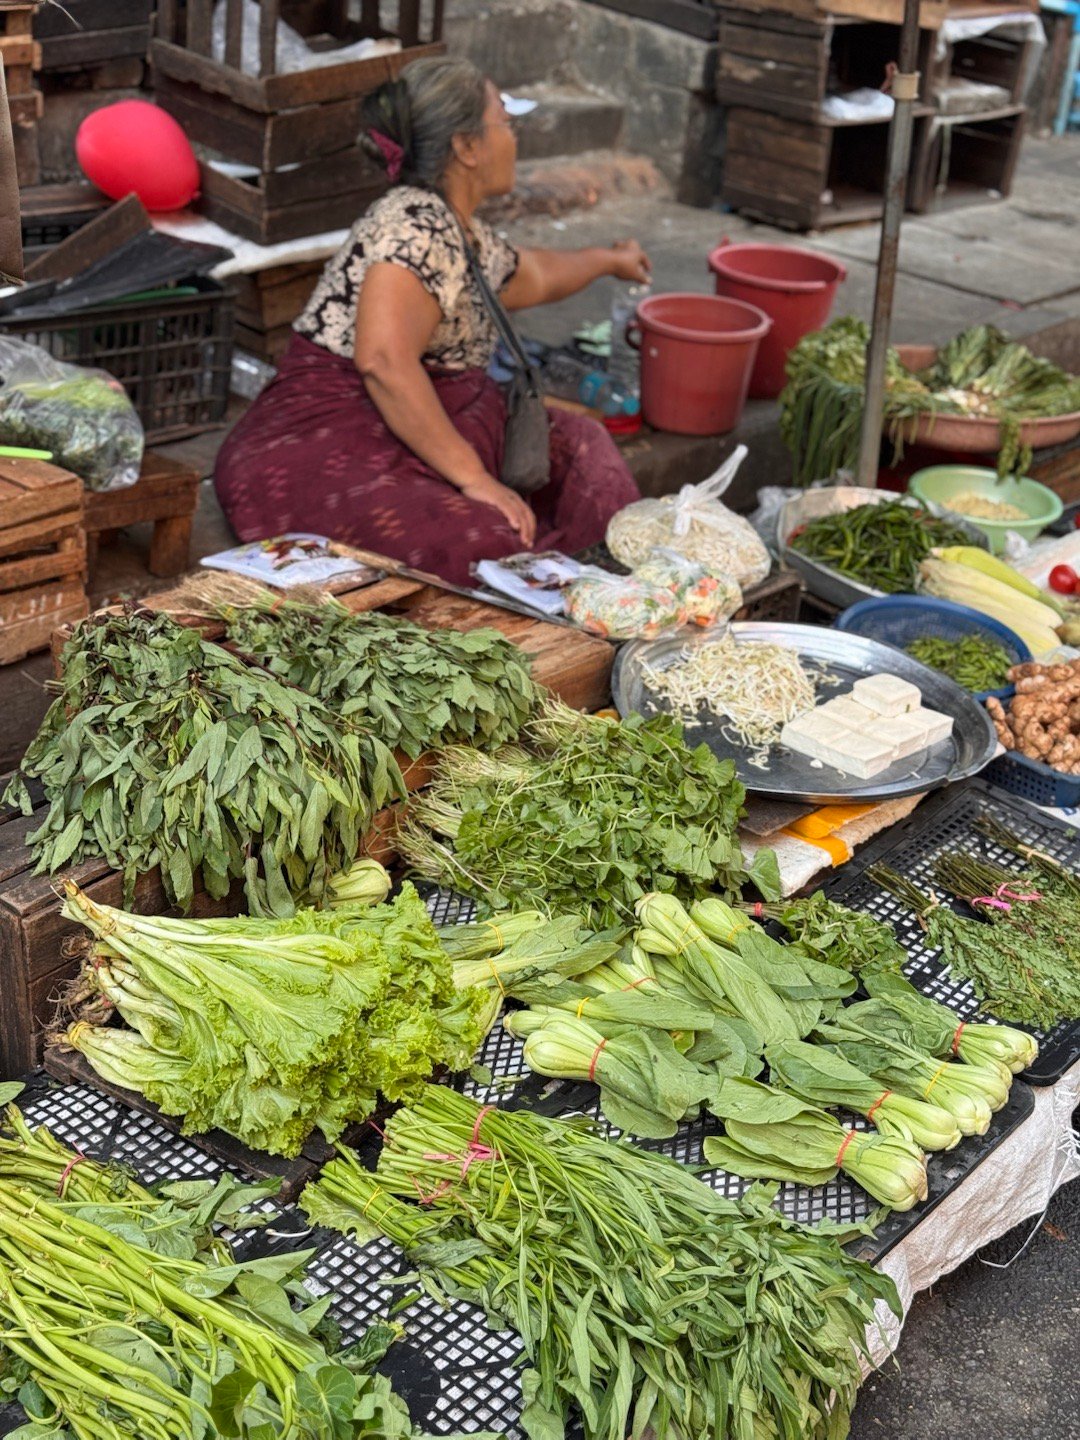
[[590, 817], [1019, 974], [416, 689], [829, 931], [880, 545], [646, 1302], [164, 749]]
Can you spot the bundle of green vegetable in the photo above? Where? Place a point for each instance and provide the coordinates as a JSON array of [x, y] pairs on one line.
[[364, 883], [829, 931], [269, 1029], [866, 1037], [163, 749], [594, 813], [978, 373], [770, 1134], [416, 689], [974, 662], [937, 1031], [111, 1328], [880, 545], [644, 1300], [1021, 964]]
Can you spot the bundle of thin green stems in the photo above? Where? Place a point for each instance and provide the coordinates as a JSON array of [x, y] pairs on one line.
[[1054, 877], [644, 1300], [107, 1340]]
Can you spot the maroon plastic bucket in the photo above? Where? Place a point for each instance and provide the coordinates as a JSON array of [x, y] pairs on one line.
[[697, 352], [795, 288]]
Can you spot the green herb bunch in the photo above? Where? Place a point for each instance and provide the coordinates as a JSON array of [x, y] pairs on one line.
[[269, 1029], [829, 931], [164, 749], [645, 1301], [590, 816], [416, 689]]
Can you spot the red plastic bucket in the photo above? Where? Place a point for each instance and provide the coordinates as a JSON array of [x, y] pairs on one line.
[[796, 289], [697, 352]]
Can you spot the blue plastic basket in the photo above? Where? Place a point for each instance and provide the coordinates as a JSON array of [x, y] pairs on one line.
[[897, 620], [1034, 781]]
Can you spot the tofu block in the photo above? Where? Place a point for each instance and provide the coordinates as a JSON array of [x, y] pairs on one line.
[[807, 726], [846, 711], [908, 733], [935, 725], [886, 694], [860, 756]]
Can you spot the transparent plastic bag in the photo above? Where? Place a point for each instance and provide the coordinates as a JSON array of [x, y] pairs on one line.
[[84, 417], [698, 525], [665, 593]]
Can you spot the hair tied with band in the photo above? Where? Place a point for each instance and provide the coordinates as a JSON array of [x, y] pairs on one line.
[[391, 152]]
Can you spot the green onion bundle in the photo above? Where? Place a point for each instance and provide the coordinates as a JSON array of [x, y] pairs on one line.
[[645, 1302]]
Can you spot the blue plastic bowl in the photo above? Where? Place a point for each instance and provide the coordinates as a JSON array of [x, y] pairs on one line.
[[897, 620]]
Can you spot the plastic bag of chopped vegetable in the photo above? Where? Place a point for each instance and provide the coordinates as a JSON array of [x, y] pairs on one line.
[[82, 416]]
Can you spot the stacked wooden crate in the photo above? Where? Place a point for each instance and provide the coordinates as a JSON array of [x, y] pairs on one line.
[[83, 34], [787, 161], [20, 55], [294, 132], [42, 554], [267, 303]]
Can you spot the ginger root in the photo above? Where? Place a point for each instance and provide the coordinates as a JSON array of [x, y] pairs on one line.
[[1043, 718]]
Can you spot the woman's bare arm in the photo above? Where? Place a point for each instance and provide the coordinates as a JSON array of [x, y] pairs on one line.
[[395, 320], [544, 276]]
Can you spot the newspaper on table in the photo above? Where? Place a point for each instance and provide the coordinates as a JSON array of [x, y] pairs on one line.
[[292, 559]]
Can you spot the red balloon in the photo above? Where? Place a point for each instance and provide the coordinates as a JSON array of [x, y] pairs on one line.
[[134, 146]]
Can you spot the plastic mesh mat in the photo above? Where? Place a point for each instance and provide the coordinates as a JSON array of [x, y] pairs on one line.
[[946, 821]]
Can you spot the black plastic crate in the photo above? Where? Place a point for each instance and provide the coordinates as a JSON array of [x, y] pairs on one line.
[[172, 354], [946, 821]]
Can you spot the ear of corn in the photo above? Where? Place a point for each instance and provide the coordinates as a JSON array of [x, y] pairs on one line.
[[1034, 622], [977, 559]]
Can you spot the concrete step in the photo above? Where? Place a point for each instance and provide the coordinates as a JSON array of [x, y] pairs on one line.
[[568, 121]]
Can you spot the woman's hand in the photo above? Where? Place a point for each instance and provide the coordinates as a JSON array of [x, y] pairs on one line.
[[508, 503], [630, 262]]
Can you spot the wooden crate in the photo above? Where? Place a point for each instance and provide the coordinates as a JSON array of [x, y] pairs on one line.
[[20, 57], [267, 303], [271, 119], [270, 207], [165, 495], [575, 666], [931, 12], [90, 32], [965, 162], [50, 213], [42, 555], [690, 17]]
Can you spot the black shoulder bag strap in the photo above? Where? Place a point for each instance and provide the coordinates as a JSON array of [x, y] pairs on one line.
[[526, 457]]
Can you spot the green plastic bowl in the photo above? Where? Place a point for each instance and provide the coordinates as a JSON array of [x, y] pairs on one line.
[[937, 486]]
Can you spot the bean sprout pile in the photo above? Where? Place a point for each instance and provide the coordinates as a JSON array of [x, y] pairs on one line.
[[756, 688]]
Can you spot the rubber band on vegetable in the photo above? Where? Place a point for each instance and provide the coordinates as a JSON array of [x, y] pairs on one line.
[[499, 936], [878, 1103], [936, 1077], [759, 910], [635, 983], [991, 903], [497, 978], [582, 1004], [377, 1191], [956, 1038], [484, 1110], [1004, 892], [843, 1148], [76, 1159], [596, 1057]]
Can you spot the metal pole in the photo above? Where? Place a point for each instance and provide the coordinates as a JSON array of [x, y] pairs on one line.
[[905, 91]]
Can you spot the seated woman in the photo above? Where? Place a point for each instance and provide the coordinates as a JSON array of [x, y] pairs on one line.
[[382, 428]]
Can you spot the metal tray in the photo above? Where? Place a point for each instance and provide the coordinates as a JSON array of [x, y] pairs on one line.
[[821, 580], [847, 657], [946, 822]]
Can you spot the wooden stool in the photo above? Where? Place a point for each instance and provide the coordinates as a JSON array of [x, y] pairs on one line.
[[165, 494], [42, 554]]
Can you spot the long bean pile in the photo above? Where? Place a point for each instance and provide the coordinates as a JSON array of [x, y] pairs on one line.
[[415, 688], [973, 661], [644, 1300], [165, 750], [879, 545]]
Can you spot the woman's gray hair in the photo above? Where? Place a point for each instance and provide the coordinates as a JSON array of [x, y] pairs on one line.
[[422, 111]]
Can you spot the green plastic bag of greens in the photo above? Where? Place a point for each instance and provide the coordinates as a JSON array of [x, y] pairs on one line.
[[82, 416]]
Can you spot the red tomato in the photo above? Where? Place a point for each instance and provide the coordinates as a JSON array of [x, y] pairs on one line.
[[1064, 580]]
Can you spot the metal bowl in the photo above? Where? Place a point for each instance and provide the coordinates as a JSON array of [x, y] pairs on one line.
[[821, 580], [847, 657]]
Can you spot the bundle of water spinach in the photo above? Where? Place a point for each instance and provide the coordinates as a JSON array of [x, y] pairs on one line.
[[645, 1301], [416, 689], [163, 749]]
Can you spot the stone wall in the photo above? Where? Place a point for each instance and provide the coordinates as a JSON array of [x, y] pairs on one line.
[[663, 79]]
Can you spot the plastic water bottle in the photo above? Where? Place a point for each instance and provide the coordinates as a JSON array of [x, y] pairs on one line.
[[624, 367]]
